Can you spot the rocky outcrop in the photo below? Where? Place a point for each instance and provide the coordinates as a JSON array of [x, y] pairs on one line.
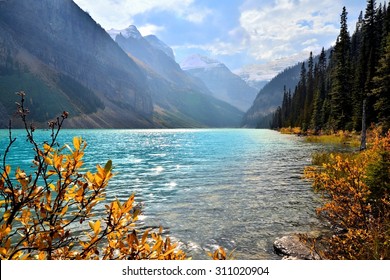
[[293, 248]]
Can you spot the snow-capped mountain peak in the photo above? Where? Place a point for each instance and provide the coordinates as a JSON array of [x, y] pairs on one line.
[[198, 61], [129, 32]]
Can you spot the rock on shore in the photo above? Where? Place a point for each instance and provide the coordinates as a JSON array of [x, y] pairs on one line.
[[292, 248]]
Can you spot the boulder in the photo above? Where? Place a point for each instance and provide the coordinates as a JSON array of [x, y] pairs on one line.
[[291, 247]]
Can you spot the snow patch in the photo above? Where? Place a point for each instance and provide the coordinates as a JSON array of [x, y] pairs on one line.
[[129, 32]]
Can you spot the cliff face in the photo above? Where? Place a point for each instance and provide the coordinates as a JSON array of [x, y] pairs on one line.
[[55, 44]]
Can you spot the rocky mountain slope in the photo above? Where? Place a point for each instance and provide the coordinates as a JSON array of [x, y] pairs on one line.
[[220, 81], [270, 97], [179, 99]]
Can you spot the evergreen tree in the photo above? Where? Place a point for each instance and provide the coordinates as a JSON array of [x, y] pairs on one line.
[[341, 88], [331, 93], [308, 106], [369, 57], [381, 90], [299, 100], [358, 70], [320, 92]]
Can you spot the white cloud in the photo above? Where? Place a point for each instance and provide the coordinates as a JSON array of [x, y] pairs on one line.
[[149, 29], [119, 13], [196, 15], [215, 48], [285, 27]]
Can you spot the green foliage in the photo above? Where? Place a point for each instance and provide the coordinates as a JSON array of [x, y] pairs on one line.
[[85, 99], [381, 90], [39, 94]]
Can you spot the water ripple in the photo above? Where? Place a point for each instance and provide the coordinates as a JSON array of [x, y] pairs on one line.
[[234, 188]]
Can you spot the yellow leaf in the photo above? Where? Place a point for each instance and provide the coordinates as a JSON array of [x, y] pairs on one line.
[[6, 173], [6, 215], [64, 210], [47, 148], [25, 257], [91, 225], [157, 245], [52, 187], [76, 143], [144, 236], [48, 161], [96, 227], [169, 252], [3, 251], [50, 172], [47, 207]]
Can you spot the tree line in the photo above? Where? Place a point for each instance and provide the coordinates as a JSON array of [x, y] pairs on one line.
[[348, 88]]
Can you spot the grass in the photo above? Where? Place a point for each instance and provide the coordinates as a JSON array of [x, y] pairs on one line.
[[344, 138], [347, 138]]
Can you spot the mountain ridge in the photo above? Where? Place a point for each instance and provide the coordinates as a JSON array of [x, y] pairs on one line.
[[177, 96], [223, 84]]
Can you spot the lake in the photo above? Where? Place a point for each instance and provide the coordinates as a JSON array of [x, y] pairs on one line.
[[236, 188]]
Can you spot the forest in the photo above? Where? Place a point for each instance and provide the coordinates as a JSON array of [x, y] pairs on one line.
[[349, 88]]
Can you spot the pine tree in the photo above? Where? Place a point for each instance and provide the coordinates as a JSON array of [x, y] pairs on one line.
[[358, 69], [330, 94], [320, 93], [308, 106], [341, 89], [381, 89], [299, 99], [369, 57]]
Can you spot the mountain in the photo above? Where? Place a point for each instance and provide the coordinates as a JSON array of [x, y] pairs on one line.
[[220, 81], [160, 45], [258, 75], [65, 61], [151, 55], [270, 96], [179, 99]]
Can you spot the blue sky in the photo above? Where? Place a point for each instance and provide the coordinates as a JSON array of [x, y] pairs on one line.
[[236, 32]]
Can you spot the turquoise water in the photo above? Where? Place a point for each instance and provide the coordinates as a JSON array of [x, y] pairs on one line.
[[237, 188]]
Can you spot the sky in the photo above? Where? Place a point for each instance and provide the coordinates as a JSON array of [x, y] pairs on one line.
[[235, 32]]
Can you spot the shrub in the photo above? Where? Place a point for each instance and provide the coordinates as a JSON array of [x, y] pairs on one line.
[[43, 212], [357, 201]]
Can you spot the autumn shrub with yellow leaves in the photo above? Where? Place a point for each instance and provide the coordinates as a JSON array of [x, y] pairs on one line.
[[49, 214], [356, 191]]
